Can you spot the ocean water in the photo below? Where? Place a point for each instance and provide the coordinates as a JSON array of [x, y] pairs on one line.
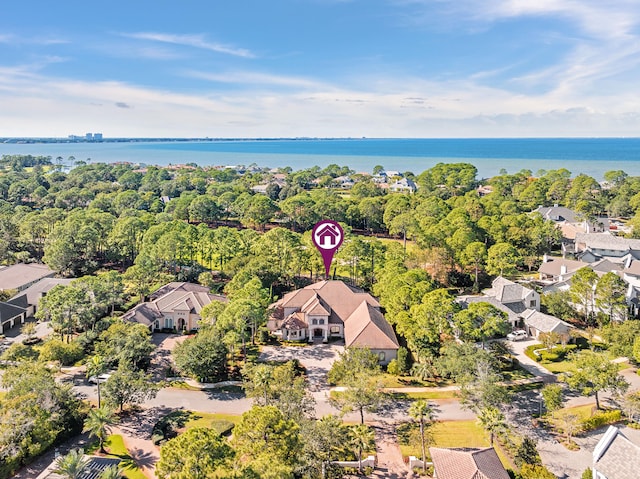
[[591, 156]]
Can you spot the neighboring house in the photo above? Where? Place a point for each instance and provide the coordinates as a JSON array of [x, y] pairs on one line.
[[565, 216], [616, 457], [554, 269], [536, 322], [512, 316], [38, 290], [591, 247], [12, 312], [174, 306], [332, 309], [22, 275], [467, 463], [403, 185], [509, 297], [513, 295]]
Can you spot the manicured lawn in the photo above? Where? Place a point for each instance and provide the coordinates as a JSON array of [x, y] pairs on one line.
[[204, 419], [116, 449], [557, 367], [425, 395], [515, 374], [454, 434]]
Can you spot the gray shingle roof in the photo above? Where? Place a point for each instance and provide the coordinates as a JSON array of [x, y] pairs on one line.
[[545, 322], [616, 457], [18, 275]]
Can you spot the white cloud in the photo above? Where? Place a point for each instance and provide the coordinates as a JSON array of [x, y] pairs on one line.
[[256, 78], [190, 40]]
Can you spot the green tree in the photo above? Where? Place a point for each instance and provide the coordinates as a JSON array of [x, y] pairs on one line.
[[128, 387], [422, 412], [492, 421], [534, 471], [552, 396], [502, 259], [98, 422], [362, 393], [202, 357], [527, 453], [324, 441], [481, 321], [125, 343], [353, 361], [72, 465], [95, 366], [595, 373], [197, 453], [268, 440], [610, 297], [474, 254], [362, 439], [582, 291]]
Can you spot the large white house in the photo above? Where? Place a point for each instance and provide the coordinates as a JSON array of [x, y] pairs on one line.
[[332, 309], [174, 306]]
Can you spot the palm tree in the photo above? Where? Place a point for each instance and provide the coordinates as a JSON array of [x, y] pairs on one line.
[[362, 439], [95, 367], [111, 472], [492, 421], [97, 423], [421, 411], [73, 465]]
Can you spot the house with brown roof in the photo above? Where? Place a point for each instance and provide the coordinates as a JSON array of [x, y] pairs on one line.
[[616, 457], [332, 309], [467, 463], [174, 306]]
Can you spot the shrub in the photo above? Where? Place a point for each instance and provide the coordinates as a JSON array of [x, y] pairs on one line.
[[393, 367], [65, 353], [19, 352], [530, 471], [600, 419], [587, 474]]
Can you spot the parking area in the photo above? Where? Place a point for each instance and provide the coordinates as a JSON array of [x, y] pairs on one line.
[[316, 358], [518, 347]]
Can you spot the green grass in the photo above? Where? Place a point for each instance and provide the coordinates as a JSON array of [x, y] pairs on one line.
[[516, 374], [204, 419], [116, 449], [425, 395], [454, 434], [391, 381]]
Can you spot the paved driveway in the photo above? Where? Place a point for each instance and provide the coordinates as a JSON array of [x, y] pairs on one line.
[[316, 358], [518, 347]]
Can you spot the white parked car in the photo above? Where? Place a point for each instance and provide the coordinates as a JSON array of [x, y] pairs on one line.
[[517, 335], [102, 378]]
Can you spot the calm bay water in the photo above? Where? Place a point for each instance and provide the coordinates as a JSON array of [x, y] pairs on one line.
[[592, 156]]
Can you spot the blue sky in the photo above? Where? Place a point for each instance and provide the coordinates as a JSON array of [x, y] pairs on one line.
[[320, 68]]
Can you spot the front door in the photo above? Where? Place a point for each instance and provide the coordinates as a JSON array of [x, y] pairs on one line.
[[318, 333]]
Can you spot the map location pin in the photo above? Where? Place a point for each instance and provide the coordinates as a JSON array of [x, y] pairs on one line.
[[327, 236]]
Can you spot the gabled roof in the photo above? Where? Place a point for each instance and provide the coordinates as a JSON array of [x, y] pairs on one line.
[[607, 241], [359, 312], [557, 213], [295, 322], [467, 463], [507, 291], [553, 266], [366, 327], [615, 456], [465, 301], [36, 291], [8, 311], [545, 322], [174, 296], [18, 275]]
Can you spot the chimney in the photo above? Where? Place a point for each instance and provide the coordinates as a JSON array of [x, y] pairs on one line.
[[545, 258], [563, 269]]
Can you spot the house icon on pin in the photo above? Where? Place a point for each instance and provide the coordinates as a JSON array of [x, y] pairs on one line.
[[327, 236]]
